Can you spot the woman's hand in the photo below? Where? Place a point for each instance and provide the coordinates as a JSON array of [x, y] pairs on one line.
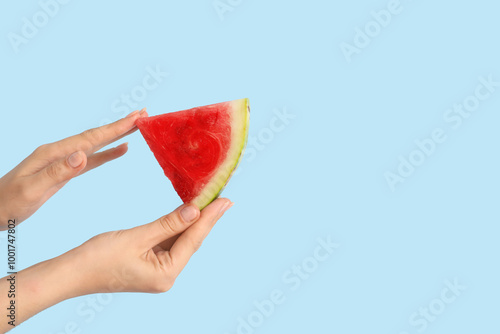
[[28, 186], [147, 258]]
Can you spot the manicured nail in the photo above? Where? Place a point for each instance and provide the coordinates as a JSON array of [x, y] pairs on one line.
[[132, 114], [189, 213], [76, 159], [225, 207]]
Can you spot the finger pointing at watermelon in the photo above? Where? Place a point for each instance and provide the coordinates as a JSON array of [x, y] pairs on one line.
[[199, 148]]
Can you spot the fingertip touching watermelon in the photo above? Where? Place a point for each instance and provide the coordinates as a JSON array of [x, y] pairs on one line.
[[199, 148]]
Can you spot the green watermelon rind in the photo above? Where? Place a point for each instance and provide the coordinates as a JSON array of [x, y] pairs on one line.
[[240, 123]]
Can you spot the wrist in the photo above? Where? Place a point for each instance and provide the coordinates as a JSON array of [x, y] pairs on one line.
[[52, 281], [57, 279], [73, 273], [44, 285]]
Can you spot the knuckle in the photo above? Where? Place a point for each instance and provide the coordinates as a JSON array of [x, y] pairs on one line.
[[163, 285], [54, 171], [119, 234], [113, 129], [168, 224], [94, 136], [103, 238], [196, 244], [42, 150]]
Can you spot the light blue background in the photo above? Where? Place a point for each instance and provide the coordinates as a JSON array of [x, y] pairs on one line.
[[323, 174]]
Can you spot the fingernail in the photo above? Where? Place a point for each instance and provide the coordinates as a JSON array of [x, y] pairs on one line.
[[76, 159], [189, 213], [132, 114], [225, 207]]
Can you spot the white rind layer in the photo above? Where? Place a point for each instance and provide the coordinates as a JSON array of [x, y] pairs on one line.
[[240, 121]]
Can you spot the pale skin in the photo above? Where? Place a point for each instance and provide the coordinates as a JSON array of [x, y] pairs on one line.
[[146, 258]]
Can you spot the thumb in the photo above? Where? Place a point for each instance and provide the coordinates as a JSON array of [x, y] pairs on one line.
[[168, 226], [61, 171]]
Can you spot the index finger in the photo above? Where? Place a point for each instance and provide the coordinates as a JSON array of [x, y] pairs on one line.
[[93, 140], [190, 241]]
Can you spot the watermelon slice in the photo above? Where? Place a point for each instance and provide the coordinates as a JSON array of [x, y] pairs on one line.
[[199, 148]]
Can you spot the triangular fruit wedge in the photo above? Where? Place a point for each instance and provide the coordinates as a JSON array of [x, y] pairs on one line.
[[199, 148]]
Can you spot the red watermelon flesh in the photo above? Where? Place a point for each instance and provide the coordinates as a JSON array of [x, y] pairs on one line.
[[199, 148]]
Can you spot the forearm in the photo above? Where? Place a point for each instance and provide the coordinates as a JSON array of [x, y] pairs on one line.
[[36, 288]]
